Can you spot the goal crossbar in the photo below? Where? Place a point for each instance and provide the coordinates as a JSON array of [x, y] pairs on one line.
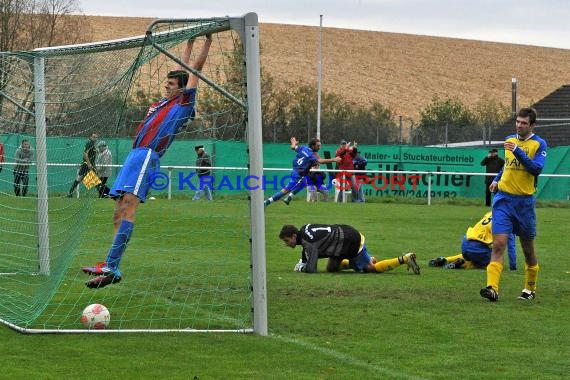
[[207, 26]]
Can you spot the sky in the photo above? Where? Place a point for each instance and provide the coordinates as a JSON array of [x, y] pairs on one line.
[[529, 22]]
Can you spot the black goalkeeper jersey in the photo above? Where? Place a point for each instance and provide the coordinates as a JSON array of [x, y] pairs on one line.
[[328, 240]]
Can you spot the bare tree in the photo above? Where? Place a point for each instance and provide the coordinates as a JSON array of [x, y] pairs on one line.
[[29, 24], [55, 22], [24, 26], [11, 14]]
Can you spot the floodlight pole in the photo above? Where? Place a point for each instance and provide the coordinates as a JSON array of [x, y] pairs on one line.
[[401, 127], [319, 77], [514, 98]]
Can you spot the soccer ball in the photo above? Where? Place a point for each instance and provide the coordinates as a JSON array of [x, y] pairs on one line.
[[96, 316]]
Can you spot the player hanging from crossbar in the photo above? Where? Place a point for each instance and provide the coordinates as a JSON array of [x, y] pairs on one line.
[[163, 121]]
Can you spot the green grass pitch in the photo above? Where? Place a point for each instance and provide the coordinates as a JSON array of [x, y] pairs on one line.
[[344, 326]]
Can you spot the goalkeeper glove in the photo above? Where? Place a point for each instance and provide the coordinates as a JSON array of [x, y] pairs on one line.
[[300, 266]]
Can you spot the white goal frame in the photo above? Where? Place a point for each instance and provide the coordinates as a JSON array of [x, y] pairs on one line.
[[247, 27]]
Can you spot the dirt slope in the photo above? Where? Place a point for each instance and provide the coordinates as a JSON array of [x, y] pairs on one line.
[[402, 71]]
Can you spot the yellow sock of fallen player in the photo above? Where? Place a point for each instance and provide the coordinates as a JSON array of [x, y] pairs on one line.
[[468, 265], [386, 265], [451, 259], [494, 270], [530, 276]]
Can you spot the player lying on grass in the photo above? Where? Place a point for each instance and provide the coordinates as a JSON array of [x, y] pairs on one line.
[[476, 249], [164, 120], [338, 242], [304, 160]]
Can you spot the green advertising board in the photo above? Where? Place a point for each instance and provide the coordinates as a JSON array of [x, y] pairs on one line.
[[391, 171]]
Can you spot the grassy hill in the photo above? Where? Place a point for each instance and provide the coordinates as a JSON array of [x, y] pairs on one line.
[[401, 71]]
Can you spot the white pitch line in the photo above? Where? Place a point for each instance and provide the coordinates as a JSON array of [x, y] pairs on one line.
[[347, 359]]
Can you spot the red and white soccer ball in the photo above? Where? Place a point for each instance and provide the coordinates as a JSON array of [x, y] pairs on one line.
[[96, 316]]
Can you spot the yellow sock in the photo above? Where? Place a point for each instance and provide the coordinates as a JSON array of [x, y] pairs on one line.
[[386, 265], [451, 259], [344, 264], [530, 276], [494, 270], [468, 265]]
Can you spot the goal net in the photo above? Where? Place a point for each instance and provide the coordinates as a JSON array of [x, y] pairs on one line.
[[191, 265]]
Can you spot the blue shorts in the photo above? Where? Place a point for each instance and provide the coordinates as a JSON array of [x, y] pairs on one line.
[[514, 214], [475, 251], [360, 261], [134, 175], [295, 182]]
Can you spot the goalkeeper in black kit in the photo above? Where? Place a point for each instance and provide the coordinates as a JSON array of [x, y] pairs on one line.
[[344, 247]]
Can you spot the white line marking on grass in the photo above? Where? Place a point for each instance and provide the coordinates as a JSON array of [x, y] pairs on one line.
[[347, 359]]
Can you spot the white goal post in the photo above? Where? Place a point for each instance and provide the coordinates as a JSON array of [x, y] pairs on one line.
[[162, 40]]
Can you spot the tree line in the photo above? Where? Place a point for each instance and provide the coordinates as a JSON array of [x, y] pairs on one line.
[[444, 120]]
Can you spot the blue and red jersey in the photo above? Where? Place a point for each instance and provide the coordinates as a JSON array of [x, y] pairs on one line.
[[164, 121]]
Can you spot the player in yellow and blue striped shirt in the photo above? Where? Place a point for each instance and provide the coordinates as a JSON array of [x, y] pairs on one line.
[[514, 203], [476, 248]]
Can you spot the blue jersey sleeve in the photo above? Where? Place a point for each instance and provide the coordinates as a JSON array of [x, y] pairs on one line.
[[535, 165], [499, 175]]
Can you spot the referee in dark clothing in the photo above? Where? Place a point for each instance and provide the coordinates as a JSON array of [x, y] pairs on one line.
[[89, 154], [493, 164]]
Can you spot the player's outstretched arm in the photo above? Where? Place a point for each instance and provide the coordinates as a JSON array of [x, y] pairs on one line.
[[186, 54], [294, 143], [198, 64], [329, 160]]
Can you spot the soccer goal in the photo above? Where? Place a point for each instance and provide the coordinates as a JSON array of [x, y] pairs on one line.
[[191, 265]]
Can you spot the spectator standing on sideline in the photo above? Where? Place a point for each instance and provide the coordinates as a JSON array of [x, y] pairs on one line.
[[103, 163], [359, 163], [514, 204], [316, 184], [493, 164], [163, 121], [344, 247], [204, 163], [318, 178], [476, 248], [88, 163], [23, 157], [346, 153]]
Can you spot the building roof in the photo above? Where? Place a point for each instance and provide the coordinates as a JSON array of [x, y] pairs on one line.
[[553, 122]]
